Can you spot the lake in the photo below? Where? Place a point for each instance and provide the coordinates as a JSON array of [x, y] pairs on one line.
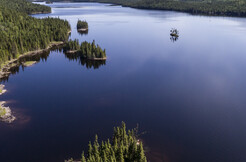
[[188, 95]]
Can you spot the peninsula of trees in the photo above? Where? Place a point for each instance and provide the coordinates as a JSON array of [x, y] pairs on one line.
[[21, 33], [82, 25], [85, 50], [24, 6], [124, 147], [202, 7]]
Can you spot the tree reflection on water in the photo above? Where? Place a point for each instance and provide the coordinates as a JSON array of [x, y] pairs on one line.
[[17, 65], [95, 64]]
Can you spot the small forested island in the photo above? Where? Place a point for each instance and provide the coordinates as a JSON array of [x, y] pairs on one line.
[[124, 147], [174, 32], [82, 26], [24, 6], [86, 50]]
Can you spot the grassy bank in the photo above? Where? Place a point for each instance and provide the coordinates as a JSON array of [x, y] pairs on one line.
[[5, 112], [2, 111]]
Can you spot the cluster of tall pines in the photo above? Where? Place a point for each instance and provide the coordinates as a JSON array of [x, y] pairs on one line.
[[124, 147], [21, 33], [82, 24], [85, 49], [25, 6], [202, 7]]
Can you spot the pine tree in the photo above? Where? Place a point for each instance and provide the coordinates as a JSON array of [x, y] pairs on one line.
[[124, 147], [83, 157], [141, 154], [121, 155], [90, 150], [95, 148]]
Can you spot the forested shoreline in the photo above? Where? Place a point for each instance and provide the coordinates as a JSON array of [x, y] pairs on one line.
[[24, 6], [21, 33], [201, 7], [124, 146]]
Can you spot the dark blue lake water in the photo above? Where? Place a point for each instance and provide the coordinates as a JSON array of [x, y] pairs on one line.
[[187, 95]]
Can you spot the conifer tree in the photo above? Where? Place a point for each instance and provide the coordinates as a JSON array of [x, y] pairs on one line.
[[83, 157], [125, 147]]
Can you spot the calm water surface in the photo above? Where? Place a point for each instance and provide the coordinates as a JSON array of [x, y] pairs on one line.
[[188, 95]]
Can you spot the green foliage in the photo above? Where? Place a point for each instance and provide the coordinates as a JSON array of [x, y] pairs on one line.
[[204, 7], [82, 24], [2, 111], [124, 147], [72, 45], [24, 6], [91, 50], [86, 50], [20, 33]]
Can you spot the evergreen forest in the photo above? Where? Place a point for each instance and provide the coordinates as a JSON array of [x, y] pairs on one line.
[[82, 24], [123, 147], [21, 33], [202, 7], [85, 50]]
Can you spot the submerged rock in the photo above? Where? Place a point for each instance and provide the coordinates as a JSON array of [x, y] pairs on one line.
[[2, 90], [5, 112]]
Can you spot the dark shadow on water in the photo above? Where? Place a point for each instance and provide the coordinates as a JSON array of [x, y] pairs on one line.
[[83, 32], [20, 63], [95, 64], [174, 38], [174, 34]]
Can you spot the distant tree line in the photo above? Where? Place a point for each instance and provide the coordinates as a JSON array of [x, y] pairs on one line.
[[20, 33], [203, 7], [85, 49], [124, 147], [24, 6]]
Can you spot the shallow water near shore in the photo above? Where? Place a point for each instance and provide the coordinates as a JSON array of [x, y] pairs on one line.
[[188, 95]]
